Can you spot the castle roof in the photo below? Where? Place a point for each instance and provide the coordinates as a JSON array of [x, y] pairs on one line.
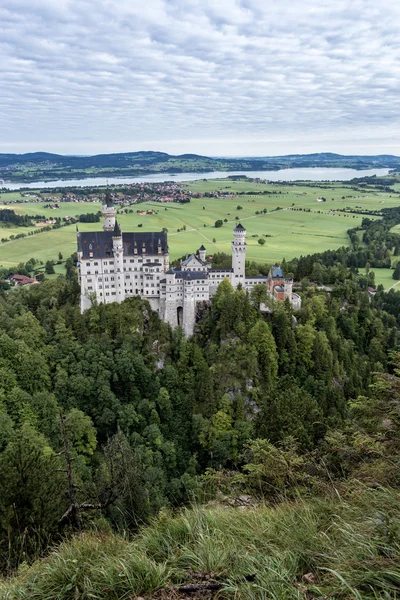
[[108, 199], [276, 272], [239, 227], [202, 247], [146, 243], [190, 275]]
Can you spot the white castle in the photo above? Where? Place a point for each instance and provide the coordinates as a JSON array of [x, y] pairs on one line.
[[115, 265]]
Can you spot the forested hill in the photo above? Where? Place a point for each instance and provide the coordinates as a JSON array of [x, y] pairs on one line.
[[42, 165], [110, 418]]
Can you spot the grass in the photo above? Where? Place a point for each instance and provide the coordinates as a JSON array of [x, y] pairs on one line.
[[332, 548], [292, 233], [383, 277]]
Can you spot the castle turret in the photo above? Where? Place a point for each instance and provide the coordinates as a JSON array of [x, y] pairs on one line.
[[202, 253], [239, 253], [118, 252], [288, 288], [109, 212]]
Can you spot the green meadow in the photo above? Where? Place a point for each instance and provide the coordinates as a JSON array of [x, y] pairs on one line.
[[290, 232]]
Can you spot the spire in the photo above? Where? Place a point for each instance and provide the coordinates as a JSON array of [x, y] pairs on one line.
[[117, 230], [108, 199], [239, 227]]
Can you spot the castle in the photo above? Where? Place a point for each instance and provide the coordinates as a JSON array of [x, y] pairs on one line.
[[114, 265]]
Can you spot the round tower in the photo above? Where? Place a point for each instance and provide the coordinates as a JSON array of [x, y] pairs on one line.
[[288, 288], [118, 252], [239, 254], [189, 304], [109, 212]]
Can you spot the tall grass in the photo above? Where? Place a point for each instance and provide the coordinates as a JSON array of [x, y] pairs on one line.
[[336, 549]]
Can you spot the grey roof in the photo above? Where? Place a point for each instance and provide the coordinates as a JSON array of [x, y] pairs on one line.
[[189, 258], [239, 227], [108, 199], [190, 275], [202, 247], [117, 229], [278, 288], [102, 244], [276, 271]]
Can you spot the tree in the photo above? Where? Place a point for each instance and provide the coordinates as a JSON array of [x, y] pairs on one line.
[[49, 268], [219, 223], [396, 272], [32, 495], [261, 241], [60, 256], [262, 340]]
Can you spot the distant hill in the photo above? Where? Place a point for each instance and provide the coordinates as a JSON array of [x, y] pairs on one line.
[[37, 166]]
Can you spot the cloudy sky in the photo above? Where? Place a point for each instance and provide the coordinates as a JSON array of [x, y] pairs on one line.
[[218, 77]]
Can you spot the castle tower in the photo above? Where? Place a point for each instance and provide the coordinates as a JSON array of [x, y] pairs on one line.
[[118, 252], [202, 253], [239, 254], [288, 288], [189, 306], [166, 260], [109, 212], [171, 315]]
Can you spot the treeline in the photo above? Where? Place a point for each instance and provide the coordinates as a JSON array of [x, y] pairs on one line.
[[7, 215], [109, 416], [90, 217], [372, 245]]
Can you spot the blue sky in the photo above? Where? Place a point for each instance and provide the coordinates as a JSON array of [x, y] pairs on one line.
[[216, 77]]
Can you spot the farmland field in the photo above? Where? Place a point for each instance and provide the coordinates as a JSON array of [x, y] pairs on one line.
[[292, 232]]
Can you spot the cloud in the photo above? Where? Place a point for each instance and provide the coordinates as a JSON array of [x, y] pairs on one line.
[[212, 76]]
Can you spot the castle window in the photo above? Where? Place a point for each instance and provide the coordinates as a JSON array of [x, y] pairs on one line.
[[88, 264], [96, 264]]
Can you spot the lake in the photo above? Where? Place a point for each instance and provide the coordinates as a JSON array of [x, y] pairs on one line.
[[307, 174]]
